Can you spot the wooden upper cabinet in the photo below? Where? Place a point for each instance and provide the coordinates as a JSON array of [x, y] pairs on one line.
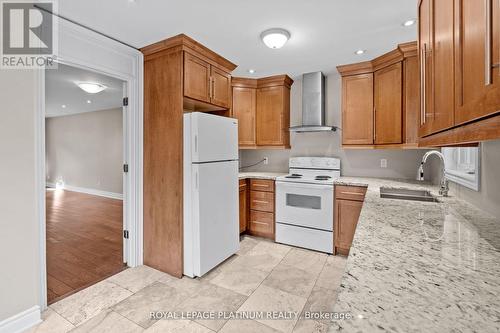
[[381, 100], [244, 106], [411, 95], [460, 54], [196, 78], [270, 118], [478, 81], [357, 109], [425, 61], [262, 107], [206, 83], [388, 105], [221, 88], [441, 50]]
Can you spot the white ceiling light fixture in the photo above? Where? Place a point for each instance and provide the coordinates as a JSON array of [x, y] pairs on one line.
[[360, 52], [275, 38], [63, 106], [251, 71], [91, 87], [89, 101], [409, 23]]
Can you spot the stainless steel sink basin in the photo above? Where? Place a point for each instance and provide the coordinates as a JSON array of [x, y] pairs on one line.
[[407, 194]]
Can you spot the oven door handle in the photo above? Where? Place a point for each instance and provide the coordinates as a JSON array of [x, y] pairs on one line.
[[304, 185]]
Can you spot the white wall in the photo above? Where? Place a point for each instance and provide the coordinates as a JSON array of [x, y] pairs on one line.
[[19, 252], [86, 150], [400, 164], [488, 197]]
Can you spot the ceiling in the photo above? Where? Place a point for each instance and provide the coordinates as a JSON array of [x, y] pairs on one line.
[[324, 33], [61, 89]]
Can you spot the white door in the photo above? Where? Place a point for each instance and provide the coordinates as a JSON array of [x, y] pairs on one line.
[[215, 214], [307, 205], [214, 138]]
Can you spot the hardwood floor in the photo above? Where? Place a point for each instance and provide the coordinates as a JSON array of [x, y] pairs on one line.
[[84, 241]]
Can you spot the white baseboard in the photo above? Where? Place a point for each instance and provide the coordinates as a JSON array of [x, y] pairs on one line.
[[91, 191], [21, 321]]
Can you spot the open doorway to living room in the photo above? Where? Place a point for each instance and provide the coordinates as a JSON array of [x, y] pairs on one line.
[[84, 141]]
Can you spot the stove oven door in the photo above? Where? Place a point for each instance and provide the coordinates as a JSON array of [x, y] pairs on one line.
[[305, 205]]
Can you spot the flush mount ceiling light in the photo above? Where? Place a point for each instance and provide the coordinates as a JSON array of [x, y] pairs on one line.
[[251, 71], [360, 52], [275, 38], [90, 87], [409, 23]]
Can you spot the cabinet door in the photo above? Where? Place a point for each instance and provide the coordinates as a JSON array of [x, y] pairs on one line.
[[196, 78], [478, 84], [425, 60], [270, 122], [441, 51], [221, 88], [243, 206], [346, 219], [357, 109], [261, 224], [388, 105], [244, 109], [411, 97]]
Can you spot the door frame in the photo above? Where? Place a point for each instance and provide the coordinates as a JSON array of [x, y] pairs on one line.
[[82, 48]]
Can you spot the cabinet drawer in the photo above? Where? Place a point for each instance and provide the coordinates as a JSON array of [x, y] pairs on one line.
[[262, 185], [356, 193], [261, 224], [263, 201]]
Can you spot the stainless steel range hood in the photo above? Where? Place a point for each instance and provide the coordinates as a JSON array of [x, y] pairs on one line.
[[313, 105]]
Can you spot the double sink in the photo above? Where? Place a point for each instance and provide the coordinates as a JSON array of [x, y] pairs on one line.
[[407, 194]]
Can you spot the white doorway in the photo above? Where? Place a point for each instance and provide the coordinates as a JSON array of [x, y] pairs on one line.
[[86, 148], [85, 49]]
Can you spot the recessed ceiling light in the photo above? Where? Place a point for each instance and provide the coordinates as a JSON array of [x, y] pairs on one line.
[[251, 71], [63, 106], [275, 38], [360, 52], [91, 87], [89, 101], [409, 23]]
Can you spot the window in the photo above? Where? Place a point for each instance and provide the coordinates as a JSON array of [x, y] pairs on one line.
[[462, 166]]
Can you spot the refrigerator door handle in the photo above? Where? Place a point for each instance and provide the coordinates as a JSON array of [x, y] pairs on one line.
[[196, 180], [196, 143]]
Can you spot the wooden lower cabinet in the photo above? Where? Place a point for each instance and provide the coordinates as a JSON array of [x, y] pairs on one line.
[[257, 207], [261, 224], [243, 205], [348, 205]]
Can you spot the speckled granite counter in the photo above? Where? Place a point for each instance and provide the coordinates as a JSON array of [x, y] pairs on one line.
[[420, 267], [260, 175]]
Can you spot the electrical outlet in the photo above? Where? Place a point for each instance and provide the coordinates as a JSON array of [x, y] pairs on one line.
[[383, 163], [266, 160]]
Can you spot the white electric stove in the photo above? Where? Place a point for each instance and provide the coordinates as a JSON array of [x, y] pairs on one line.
[[304, 203]]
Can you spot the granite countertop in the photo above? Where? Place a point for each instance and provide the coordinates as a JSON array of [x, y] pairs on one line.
[[420, 267], [260, 175]]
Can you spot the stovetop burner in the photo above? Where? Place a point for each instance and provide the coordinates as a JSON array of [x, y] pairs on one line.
[[294, 176]]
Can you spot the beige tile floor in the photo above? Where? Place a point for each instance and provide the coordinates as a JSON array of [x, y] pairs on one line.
[[262, 276]]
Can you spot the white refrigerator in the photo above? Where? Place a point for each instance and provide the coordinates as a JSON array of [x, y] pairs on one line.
[[211, 204]]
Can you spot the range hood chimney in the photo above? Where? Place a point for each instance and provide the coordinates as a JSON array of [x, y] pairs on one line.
[[313, 104]]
